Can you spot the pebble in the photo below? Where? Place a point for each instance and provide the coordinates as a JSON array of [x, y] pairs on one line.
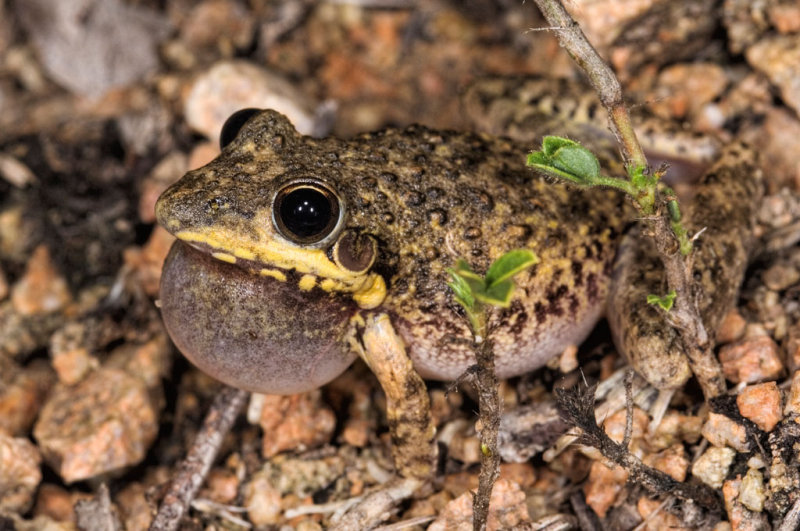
[[57, 502], [506, 509], [778, 58], [87, 47], [793, 400], [221, 486], [662, 520], [740, 517], [721, 431], [732, 327], [751, 360], [682, 90], [761, 403], [752, 494], [781, 276], [146, 262], [219, 25], [15, 172], [777, 141], [675, 428], [41, 289], [672, 461], [293, 422], [603, 486], [21, 396], [785, 17], [71, 359], [712, 467], [104, 423], [19, 473], [230, 86], [149, 360]]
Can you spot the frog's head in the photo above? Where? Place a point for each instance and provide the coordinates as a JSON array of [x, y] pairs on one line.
[[265, 294], [271, 203]]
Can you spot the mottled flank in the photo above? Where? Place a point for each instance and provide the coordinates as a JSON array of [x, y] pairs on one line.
[[724, 206]]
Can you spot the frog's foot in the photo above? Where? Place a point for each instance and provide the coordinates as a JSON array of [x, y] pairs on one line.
[[724, 207], [407, 404]]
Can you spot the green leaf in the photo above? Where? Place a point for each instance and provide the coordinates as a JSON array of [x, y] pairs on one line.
[[567, 159], [551, 144], [509, 265], [499, 294], [578, 161], [461, 290], [665, 302]]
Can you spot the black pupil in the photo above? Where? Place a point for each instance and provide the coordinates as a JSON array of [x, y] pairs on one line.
[[234, 124], [306, 212]]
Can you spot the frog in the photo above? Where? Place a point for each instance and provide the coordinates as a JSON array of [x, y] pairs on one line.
[[289, 249]]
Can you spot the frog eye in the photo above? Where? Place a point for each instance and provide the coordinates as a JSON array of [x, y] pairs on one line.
[[234, 124], [306, 212]]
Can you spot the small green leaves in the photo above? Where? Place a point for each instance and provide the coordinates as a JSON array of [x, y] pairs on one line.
[[509, 265], [472, 291], [566, 158], [664, 302]]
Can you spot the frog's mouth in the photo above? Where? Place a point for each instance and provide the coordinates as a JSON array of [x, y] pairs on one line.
[[311, 268]]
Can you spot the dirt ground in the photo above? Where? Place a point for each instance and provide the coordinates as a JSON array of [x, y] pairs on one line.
[[105, 104]]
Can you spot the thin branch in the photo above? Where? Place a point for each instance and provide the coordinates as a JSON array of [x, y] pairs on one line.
[[489, 406], [194, 468], [578, 408], [685, 315]]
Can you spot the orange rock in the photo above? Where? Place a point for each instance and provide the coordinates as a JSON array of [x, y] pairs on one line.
[[104, 423], [21, 396], [793, 400], [221, 486], [19, 473], [146, 261], [661, 520], [785, 17], [294, 422], [603, 487], [506, 509], [751, 360], [671, 461], [41, 289], [57, 503], [722, 431], [739, 516], [761, 403], [732, 327]]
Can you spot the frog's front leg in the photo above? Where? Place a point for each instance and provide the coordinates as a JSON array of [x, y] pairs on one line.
[[407, 404]]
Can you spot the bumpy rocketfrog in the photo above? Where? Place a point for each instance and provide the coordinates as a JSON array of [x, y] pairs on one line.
[[289, 246]]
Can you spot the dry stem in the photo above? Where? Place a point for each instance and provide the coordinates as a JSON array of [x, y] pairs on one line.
[[194, 468], [685, 315]]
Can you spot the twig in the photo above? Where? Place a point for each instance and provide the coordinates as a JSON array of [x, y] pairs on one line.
[[600, 75], [626, 440], [489, 406], [685, 315], [378, 505], [578, 407], [193, 469]]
